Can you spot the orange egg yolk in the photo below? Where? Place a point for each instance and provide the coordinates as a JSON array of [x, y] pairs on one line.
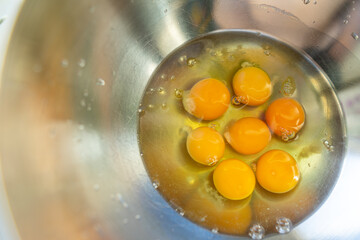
[[234, 179], [252, 85], [248, 135], [277, 171], [208, 99], [205, 145], [285, 117]]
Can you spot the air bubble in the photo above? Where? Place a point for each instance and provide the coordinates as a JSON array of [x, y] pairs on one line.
[[267, 52], [191, 62], [64, 63], [164, 106], [141, 154], [137, 217], [82, 63], [156, 184], [328, 146], [355, 36], [285, 138], [151, 106], [315, 2], [306, 1], [182, 59], [180, 211], [215, 230], [172, 78], [100, 82], [235, 101], [165, 11], [83, 102], [150, 91], [288, 87], [163, 76], [257, 232], [287, 135], [2, 20], [161, 90], [283, 225], [178, 93], [140, 110], [203, 219], [346, 21]]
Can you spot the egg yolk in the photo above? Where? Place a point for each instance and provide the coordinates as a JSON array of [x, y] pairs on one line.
[[208, 99], [277, 171], [248, 135], [205, 145], [234, 179], [252, 85], [285, 117]]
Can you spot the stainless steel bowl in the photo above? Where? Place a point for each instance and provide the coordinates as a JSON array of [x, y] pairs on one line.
[[70, 89]]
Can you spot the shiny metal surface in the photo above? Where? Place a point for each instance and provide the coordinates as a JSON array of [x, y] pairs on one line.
[[70, 88]]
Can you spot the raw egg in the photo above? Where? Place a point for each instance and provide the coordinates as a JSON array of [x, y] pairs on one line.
[[252, 85], [248, 135], [205, 145], [208, 99], [277, 171], [234, 179], [285, 117]]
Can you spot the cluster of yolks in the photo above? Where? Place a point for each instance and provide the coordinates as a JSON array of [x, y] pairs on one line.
[[276, 170]]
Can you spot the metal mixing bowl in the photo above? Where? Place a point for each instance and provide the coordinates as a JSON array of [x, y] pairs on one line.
[[71, 84]]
